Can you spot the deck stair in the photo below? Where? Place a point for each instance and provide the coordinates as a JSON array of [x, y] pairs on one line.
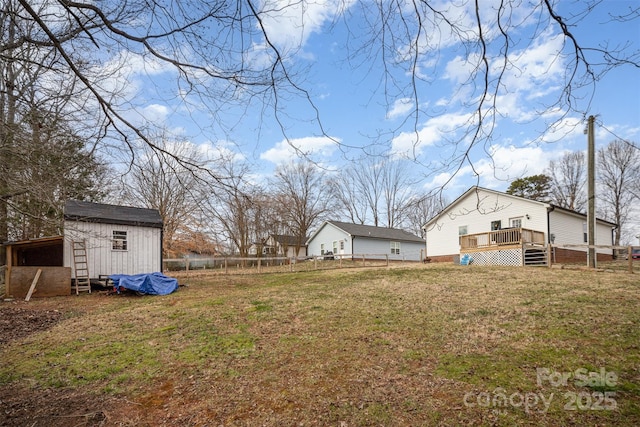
[[534, 255]]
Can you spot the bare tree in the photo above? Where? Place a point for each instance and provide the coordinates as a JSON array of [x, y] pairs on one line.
[[301, 190], [568, 177], [420, 210], [618, 169], [360, 188], [397, 191], [225, 54], [235, 209], [158, 181], [375, 190], [46, 154]]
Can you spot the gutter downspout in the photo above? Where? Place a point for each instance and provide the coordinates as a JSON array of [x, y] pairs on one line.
[[550, 209]]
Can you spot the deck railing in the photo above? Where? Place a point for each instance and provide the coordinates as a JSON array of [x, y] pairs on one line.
[[509, 236]]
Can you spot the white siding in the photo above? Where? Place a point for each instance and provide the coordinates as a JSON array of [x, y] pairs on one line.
[[143, 254], [409, 251], [327, 235], [476, 211], [568, 229]]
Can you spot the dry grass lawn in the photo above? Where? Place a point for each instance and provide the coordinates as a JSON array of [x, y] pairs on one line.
[[413, 345]]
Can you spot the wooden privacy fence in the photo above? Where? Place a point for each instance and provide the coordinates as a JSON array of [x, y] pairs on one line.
[[234, 265]]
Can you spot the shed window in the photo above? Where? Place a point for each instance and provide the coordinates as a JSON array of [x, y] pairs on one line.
[[119, 242], [395, 248]]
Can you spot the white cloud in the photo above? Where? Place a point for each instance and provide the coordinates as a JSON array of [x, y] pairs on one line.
[[508, 163], [221, 150], [154, 113], [411, 144], [289, 23], [504, 164], [400, 107], [311, 146]]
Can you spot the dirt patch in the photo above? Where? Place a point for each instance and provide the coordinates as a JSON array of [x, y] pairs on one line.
[[22, 406], [19, 322]]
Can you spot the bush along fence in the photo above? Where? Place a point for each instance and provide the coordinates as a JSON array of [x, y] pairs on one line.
[[244, 265]]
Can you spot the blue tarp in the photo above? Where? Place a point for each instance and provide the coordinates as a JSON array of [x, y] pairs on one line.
[[152, 284]]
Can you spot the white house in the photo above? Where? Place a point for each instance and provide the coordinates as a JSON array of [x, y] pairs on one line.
[[497, 228], [280, 245], [119, 239], [342, 238]]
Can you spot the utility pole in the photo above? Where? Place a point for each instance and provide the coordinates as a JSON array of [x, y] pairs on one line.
[[591, 193]]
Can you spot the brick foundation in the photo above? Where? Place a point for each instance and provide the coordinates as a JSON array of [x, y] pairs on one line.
[[570, 256], [443, 258]]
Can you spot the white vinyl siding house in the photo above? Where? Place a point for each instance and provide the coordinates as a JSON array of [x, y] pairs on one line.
[[474, 212], [119, 239], [343, 238], [284, 246], [480, 210]]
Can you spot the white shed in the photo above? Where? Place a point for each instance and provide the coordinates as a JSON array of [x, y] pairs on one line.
[[498, 228], [118, 239]]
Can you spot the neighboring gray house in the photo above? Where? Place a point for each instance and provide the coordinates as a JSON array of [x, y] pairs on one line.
[[343, 238], [119, 239]]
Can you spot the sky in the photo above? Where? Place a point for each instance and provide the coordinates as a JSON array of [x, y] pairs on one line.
[[331, 46]]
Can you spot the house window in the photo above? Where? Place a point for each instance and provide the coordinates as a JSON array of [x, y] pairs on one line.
[[515, 222], [395, 248], [496, 225], [342, 245], [119, 242], [321, 248], [584, 232], [335, 246], [462, 230]]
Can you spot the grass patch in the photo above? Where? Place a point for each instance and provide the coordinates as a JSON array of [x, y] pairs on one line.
[[411, 346]]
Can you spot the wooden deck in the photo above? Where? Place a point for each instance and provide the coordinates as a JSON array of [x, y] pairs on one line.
[[500, 239]]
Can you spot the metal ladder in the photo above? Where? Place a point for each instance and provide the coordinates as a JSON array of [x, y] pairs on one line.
[[80, 266]]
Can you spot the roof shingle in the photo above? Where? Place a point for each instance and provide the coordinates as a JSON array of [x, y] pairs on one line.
[[76, 210]]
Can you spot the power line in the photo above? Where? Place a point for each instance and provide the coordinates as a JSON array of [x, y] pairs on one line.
[[618, 137]]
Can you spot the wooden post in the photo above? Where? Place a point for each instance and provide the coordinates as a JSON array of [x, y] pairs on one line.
[[259, 265], [630, 258], [315, 263], [591, 193], [549, 252], [291, 261], [387, 257], [33, 285], [226, 265]]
